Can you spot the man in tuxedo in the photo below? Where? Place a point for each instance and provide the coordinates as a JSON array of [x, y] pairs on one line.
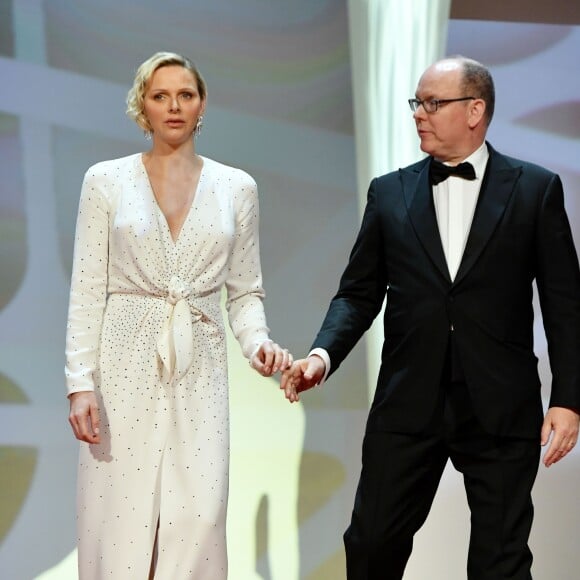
[[454, 242]]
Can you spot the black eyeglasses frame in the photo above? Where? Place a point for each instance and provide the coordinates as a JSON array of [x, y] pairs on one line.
[[433, 104]]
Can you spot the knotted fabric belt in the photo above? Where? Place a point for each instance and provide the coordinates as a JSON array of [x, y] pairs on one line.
[[175, 344]]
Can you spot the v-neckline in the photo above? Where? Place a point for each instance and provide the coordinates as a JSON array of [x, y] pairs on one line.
[[174, 242]]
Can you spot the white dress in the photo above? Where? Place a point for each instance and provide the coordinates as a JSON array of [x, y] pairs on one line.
[[145, 331]]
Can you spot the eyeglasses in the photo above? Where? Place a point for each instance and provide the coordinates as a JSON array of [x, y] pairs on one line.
[[432, 105]]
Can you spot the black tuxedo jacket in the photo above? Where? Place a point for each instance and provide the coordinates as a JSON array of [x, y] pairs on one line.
[[520, 233]]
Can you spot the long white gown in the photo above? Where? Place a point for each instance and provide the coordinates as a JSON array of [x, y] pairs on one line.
[[145, 331]]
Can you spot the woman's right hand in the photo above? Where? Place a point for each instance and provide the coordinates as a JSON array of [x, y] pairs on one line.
[[84, 416]]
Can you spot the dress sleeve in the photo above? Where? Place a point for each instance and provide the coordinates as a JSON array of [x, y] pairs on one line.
[[244, 283], [88, 292]]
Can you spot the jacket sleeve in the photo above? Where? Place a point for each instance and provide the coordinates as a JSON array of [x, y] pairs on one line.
[[558, 282]]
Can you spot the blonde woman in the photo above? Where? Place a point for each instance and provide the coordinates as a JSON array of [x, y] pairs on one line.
[[159, 234]]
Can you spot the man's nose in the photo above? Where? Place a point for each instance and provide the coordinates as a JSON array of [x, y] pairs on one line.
[[419, 113]]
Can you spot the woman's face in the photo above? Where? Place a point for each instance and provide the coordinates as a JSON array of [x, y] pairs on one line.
[[172, 104]]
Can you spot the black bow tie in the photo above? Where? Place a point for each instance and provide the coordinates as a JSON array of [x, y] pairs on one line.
[[439, 172]]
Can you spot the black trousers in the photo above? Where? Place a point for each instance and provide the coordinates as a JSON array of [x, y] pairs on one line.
[[399, 478]]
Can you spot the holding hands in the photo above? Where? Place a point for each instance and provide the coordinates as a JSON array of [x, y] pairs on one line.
[[84, 418], [270, 358], [304, 374]]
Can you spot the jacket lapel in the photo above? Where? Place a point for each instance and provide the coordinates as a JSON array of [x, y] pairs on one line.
[[497, 187], [419, 201]]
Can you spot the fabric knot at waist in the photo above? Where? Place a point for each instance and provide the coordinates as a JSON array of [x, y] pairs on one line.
[[177, 290], [175, 344]]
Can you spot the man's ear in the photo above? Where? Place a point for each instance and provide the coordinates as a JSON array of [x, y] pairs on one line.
[[476, 113]]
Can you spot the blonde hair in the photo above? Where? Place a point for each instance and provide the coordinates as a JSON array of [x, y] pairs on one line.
[[136, 95]]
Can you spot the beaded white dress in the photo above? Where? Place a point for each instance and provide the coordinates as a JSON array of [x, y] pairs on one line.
[[146, 332]]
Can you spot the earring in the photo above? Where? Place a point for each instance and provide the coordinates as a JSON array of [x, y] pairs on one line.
[[147, 135], [198, 126]]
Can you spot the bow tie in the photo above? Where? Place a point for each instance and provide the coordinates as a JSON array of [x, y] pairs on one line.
[[439, 172]]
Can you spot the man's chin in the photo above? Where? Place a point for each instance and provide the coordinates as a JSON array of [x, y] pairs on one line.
[[424, 146]]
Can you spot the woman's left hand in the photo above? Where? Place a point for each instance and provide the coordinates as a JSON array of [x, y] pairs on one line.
[[271, 358]]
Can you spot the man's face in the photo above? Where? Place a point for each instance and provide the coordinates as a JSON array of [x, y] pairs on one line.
[[444, 134]]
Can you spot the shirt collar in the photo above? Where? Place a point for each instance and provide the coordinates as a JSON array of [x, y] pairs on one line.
[[479, 160]]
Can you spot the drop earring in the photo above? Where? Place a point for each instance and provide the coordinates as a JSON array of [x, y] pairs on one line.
[[198, 126]]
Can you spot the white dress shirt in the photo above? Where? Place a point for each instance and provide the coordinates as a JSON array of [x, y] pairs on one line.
[[455, 200]]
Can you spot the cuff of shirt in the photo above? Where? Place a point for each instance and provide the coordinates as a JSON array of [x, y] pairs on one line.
[[324, 356]]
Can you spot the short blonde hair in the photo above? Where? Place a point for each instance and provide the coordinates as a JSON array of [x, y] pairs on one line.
[[136, 95]]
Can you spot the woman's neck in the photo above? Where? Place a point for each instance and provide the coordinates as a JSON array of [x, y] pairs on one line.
[[164, 155]]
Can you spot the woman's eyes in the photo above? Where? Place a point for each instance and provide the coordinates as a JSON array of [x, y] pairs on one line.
[[185, 95]]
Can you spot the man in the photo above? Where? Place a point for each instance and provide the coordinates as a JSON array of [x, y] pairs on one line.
[[456, 256]]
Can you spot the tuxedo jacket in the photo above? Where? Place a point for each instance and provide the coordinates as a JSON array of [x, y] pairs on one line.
[[520, 233]]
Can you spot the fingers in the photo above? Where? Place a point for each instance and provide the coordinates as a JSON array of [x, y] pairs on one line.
[[291, 378], [95, 423], [268, 357], [562, 423], [84, 417], [315, 370], [286, 377], [558, 449], [282, 359], [271, 358], [545, 433], [302, 375], [554, 454]]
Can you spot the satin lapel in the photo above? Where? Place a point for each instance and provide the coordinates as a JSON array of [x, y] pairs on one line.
[[419, 201], [498, 184]]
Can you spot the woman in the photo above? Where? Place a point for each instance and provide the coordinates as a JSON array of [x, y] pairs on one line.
[[159, 235]]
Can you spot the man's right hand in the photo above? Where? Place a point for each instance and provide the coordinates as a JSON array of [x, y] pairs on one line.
[[84, 416], [304, 374]]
